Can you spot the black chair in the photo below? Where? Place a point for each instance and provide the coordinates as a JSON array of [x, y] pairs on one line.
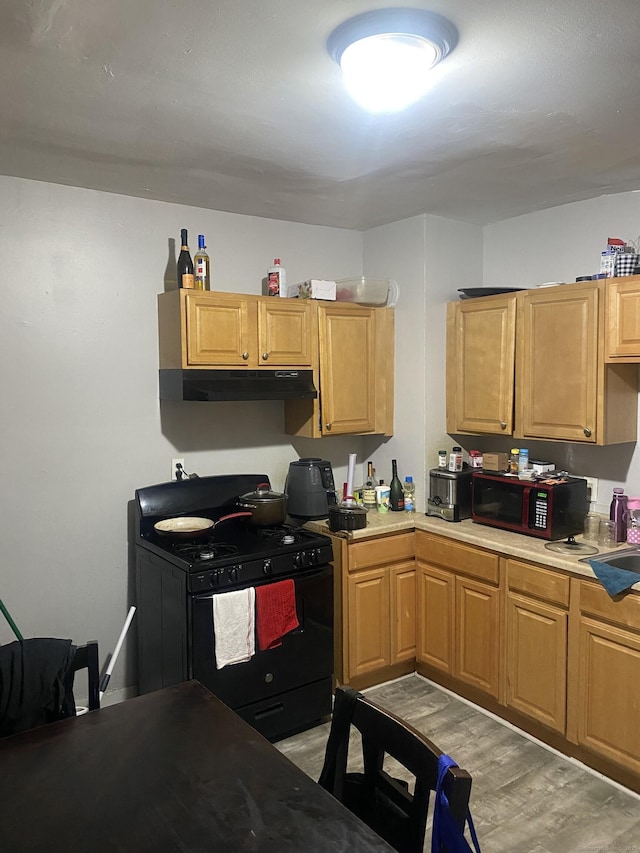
[[383, 802], [86, 657], [37, 678]]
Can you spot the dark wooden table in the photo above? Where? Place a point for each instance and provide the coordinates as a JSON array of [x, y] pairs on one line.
[[174, 770]]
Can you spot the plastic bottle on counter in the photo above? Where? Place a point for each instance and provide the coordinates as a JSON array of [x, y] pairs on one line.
[[409, 495], [514, 460], [618, 513], [523, 460]]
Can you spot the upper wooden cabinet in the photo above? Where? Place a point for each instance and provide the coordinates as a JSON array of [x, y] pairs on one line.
[[565, 390], [562, 389], [224, 329], [623, 319], [355, 374], [481, 338]]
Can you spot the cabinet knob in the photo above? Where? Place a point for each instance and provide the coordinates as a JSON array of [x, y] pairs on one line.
[[587, 432], [327, 426], [503, 425], [245, 356], [265, 356]]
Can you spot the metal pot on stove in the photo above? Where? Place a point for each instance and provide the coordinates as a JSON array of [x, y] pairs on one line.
[[268, 508]]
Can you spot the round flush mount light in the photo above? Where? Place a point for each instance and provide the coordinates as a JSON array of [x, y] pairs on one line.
[[386, 55]]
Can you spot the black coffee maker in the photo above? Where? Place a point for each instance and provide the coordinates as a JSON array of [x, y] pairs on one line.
[[310, 488]]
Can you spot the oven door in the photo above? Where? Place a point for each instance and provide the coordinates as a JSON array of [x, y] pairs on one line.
[[305, 656]]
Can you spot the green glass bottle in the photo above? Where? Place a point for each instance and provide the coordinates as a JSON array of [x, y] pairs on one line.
[[396, 493]]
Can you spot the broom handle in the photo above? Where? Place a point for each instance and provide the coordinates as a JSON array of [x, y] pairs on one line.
[[7, 616], [116, 651]]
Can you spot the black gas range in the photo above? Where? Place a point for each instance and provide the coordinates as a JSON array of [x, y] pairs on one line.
[[278, 691]]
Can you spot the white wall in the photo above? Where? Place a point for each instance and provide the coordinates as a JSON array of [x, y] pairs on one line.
[[430, 258], [561, 244], [81, 423]]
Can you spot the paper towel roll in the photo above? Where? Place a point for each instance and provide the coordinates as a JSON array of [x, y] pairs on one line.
[[351, 474]]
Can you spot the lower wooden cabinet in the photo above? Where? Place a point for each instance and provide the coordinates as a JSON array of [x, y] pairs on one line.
[[459, 622], [369, 630], [436, 617], [379, 608], [536, 621], [607, 659], [477, 652], [549, 651]]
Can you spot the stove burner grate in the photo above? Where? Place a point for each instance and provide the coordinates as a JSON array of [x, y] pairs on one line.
[[197, 552], [282, 535]]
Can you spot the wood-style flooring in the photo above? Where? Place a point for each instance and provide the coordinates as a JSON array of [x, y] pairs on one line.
[[525, 798]]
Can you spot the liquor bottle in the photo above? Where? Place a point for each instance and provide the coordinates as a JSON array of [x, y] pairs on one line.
[[369, 489], [202, 266], [277, 279], [396, 495], [185, 264]]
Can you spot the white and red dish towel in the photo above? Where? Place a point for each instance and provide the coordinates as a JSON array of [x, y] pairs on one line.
[[268, 611]]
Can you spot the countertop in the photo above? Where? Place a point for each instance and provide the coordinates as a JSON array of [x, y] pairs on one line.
[[511, 544]]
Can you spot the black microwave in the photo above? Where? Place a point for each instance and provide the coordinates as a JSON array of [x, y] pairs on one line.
[[548, 509]]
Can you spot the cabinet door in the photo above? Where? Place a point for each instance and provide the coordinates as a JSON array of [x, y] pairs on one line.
[[347, 368], [221, 330], [478, 641], [480, 365], [536, 636], [557, 363], [368, 597], [609, 695], [402, 581], [436, 617], [623, 318], [285, 332]]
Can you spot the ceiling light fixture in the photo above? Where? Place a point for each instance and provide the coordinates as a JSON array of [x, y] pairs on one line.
[[385, 55]]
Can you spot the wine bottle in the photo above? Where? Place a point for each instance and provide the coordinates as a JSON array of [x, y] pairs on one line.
[[201, 266], [185, 264], [369, 489], [396, 494]]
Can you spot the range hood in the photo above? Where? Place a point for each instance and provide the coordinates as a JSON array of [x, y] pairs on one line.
[[215, 385]]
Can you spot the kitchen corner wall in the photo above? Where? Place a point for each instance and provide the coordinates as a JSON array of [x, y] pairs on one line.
[[81, 423], [560, 244], [429, 257]]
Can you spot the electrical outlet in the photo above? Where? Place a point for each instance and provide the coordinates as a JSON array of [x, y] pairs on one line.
[[592, 486], [174, 468]]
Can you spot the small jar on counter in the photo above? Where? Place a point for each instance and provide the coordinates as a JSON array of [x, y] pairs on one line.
[[475, 459], [442, 459], [455, 459]]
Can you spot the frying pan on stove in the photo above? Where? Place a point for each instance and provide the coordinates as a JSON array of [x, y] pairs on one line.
[[190, 527]]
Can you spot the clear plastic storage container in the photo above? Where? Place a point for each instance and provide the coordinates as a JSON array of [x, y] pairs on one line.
[[365, 291]]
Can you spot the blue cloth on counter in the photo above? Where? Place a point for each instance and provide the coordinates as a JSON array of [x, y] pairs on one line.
[[613, 579]]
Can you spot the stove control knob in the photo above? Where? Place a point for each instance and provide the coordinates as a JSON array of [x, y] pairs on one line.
[[298, 561], [315, 556], [233, 574], [267, 567], [213, 579]]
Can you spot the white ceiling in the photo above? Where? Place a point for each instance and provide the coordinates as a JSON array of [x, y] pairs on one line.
[[235, 105]]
